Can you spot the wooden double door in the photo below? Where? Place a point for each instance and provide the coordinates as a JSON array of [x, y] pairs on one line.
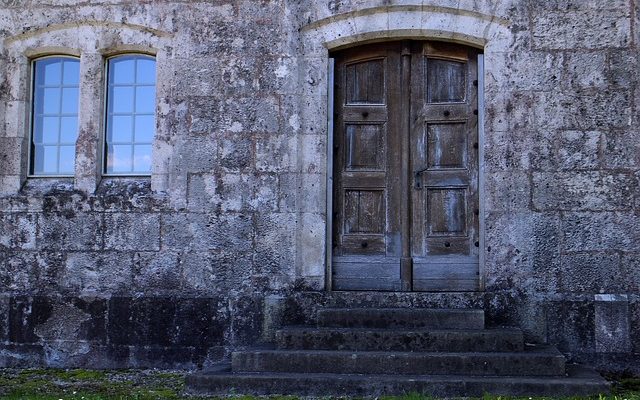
[[405, 168]]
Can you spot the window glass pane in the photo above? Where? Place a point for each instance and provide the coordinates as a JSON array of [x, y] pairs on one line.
[[121, 70], [68, 130], [46, 159], [120, 129], [145, 99], [69, 101], [45, 130], [146, 71], [71, 73], [145, 127], [142, 158], [67, 159], [51, 100], [130, 122], [121, 99], [119, 159], [55, 115], [50, 71]]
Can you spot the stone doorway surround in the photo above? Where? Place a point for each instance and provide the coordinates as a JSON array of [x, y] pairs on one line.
[[472, 23]]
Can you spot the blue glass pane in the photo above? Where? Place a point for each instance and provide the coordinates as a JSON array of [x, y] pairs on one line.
[[145, 99], [142, 159], [119, 129], [45, 130], [121, 70], [50, 100], [70, 101], [71, 72], [46, 160], [67, 159], [146, 71], [145, 128], [119, 159], [68, 130], [121, 100], [48, 71]]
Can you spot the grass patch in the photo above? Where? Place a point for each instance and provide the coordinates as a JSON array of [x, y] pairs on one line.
[[56, 384]]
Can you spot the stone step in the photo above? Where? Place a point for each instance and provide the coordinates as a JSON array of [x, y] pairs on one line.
[[579, 381], [304, 338], [542, 361], [401, 318]]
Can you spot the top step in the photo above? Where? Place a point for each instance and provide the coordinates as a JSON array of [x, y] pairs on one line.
[[401, 318]]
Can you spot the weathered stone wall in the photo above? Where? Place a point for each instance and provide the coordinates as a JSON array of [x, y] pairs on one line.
[[180, 268]]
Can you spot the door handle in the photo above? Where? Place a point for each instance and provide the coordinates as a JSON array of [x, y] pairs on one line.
[[417, 178]]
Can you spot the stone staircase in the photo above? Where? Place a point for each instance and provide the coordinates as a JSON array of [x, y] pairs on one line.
[[394, 351]]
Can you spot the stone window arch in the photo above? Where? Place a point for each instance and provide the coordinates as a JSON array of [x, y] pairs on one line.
[[92, 42]]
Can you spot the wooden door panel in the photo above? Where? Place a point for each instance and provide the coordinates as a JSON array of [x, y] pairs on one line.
[[444, 158], [446, 211], [365, 81], [366, 191], [446, 81], [428, 108], [365, 147]]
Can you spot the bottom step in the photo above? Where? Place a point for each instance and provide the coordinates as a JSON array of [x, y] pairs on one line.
[[579, 381]]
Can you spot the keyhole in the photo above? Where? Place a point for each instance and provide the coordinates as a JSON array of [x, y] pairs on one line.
[[365, 114], [447, 113], [447, 244], [364, 245]]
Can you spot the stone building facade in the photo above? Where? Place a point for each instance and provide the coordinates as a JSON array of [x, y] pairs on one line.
[[227, 235]]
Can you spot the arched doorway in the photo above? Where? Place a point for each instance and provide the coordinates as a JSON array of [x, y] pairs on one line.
[[405, 167]]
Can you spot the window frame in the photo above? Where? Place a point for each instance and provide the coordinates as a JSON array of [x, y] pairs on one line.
[[105, 115], [31, 116]]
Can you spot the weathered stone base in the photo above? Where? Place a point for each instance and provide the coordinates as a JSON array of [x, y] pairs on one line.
[[199, 332]]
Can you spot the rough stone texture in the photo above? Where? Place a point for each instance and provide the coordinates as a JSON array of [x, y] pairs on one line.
[[234, 210]]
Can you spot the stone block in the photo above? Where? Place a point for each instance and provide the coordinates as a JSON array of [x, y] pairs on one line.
[[246, 314], [93, 273], [164, 321], [276, 153], [612, 330], [601, 231], [235, 152], [201, 322], [505, 152], [215, 271], [4, 317], [507, 111], [202, 192], [275, 246], [18, 231], [621, 150], [69, 232], [523, 249], [592, 272], [13, 158], [586, 70], [132, 231], [570, 325], [520, 71], [585, 110], [630, 265], [157, 271], [621, 68], [507, 191], [234, 114], [26, 314], [200, 232], [594, 191], [586, 29]]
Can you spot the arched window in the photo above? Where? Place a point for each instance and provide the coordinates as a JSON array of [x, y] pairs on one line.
[[130, 118], [54, 116]]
